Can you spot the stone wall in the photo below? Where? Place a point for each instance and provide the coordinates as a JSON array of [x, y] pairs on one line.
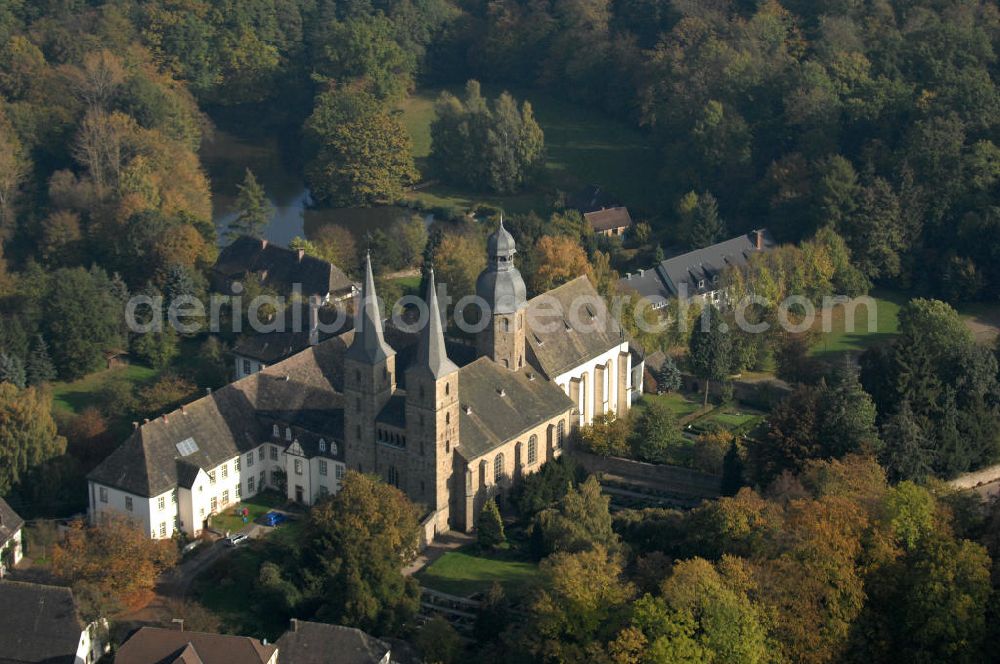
[[672, 479]]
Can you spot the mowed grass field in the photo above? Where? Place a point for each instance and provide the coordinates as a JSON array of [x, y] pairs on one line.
[[75, 396], [869, 327], [582, 147], [469, 571]]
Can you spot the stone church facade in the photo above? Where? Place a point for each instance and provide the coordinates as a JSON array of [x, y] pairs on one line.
[[450, 425]]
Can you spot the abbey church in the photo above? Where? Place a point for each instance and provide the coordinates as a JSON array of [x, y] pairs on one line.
[[449, 424]]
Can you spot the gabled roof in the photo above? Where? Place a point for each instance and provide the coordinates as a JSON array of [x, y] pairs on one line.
[[303, 390], [38, 623], [279, 268], [686, 271], [570, 325], [156, 645], [271, 347], [608, 218], [590, 198], [10, 522], [320, 643], [497, 405]]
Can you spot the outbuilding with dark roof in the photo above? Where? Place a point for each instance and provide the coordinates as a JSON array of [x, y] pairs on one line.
[[41, 623]]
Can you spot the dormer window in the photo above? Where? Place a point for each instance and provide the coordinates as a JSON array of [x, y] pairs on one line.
[[322, 445], [715, 279], [288, 434], [701, 283], [275, 431], [333, 448]]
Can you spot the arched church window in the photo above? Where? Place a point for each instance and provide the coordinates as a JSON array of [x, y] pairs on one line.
[[447, 446], [498, 468], [447, 388], [447, 418], [533, 449], [560, 433], [506, 325], [393, 476]]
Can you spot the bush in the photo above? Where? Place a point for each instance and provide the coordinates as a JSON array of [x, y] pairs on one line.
[[489, 526]]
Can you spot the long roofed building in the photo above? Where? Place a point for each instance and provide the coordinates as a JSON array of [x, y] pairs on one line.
[[448, 424]]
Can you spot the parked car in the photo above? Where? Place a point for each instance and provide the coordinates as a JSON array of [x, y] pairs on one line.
[[236, 540], [274, 519]]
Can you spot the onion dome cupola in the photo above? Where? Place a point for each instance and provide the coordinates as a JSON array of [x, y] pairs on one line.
[[501, 284]]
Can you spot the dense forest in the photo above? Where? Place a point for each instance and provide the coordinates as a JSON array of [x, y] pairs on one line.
[[864, 134], [877, 119]]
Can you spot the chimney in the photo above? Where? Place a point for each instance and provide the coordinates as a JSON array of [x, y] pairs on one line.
[[208, 390], [295, 625], [184, 409], [760, 239], [165, 421], [642, 271], [313, 322], [145, 421], [628, 275], [135, 425], [263, 243], [302, 252]]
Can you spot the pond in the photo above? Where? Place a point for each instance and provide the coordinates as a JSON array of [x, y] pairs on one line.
[[226, 156]]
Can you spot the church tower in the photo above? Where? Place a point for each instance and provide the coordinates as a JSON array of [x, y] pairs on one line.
[[502, 287], [369, 378], [432, 415]]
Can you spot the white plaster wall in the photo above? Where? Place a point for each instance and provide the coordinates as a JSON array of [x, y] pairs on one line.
[[92, 646], [592, 406], [142, 507], [165, 516]]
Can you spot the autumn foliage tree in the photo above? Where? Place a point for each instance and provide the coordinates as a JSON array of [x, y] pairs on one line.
[[28, 435], [361, 152], [355, 545], [557, 259], [112, 563]]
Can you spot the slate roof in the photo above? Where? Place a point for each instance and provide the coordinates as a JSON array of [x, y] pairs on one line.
[[279, 268], [393, 413], [45, 626], [369, 341], [302, 391], [500, 283], [316, 643], [271, 347], [527, 399], [664, 280], [608, 218], [10, 522], [568, 326], [590, 198], [156, 645], [432, 354]]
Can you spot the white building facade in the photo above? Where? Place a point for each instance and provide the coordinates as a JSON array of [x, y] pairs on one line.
[[279, 464]]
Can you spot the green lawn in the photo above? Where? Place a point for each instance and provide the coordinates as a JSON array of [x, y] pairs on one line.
[[468, 571], [410, 285], [678, 404], [731, 419], [77, 395], [226, 590], [583, 147], [837, 339], [257, 506]]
